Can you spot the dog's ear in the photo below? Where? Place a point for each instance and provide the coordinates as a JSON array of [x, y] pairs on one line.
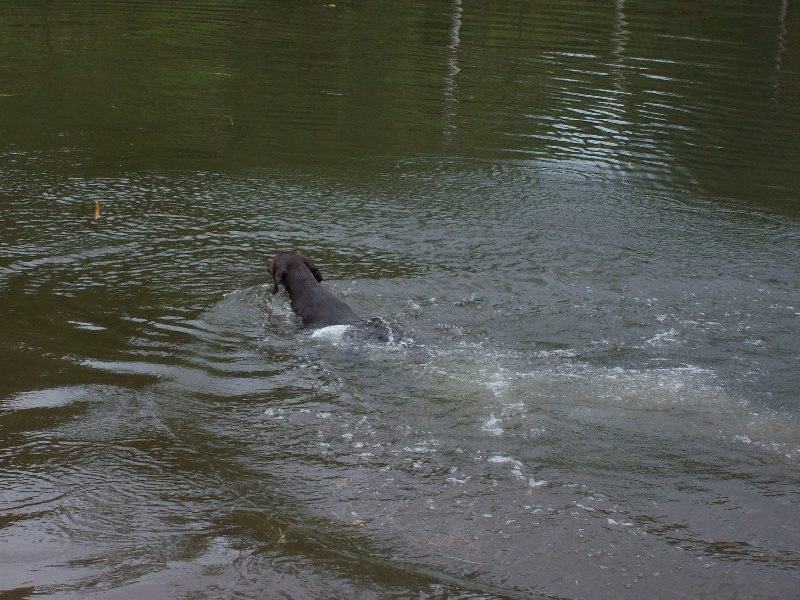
[[278, 274], [313, 268]]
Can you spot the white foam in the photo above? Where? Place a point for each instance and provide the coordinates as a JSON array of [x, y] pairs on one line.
[[332, 333], [516, 470], [491, 425], [499, 458], [664, 337], [561, 353]]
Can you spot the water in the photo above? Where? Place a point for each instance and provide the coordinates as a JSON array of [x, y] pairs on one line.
[[583, 220]]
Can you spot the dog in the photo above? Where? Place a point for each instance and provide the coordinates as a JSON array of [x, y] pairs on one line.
[[314, 304]]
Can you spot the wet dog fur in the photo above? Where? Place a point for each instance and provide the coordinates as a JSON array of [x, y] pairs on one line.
[[314, 304]]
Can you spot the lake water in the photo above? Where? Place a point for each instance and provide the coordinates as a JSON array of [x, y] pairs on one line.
[[582, 217]]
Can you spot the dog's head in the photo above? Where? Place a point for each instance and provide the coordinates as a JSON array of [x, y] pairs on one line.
[[284, 262]]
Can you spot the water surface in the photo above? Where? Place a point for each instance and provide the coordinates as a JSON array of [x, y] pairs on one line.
[[583, 220]]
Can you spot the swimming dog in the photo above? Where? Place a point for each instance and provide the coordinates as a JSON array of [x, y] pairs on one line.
[[314, 304]]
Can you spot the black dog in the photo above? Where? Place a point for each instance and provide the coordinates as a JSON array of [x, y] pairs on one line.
[[315, 305]]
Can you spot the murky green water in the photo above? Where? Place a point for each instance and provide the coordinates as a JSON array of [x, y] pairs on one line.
[[583, 217]]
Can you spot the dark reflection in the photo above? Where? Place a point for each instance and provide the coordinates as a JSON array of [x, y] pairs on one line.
[[17, 594]]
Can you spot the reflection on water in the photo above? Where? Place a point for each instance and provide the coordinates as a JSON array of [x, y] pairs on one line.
[[781, 50], [450, 100], [581, 219], [692, 97]]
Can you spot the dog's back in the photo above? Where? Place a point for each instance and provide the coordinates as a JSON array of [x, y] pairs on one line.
[[320, 308], [315, 305]]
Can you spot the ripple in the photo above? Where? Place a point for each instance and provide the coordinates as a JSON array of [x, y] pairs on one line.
[[585, 217]]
